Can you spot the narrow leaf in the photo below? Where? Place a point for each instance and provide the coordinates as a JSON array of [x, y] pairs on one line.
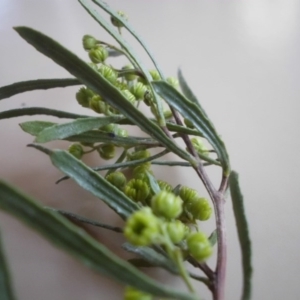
[[31, 111], [243, 233], [62, 131], [35, 127], [31, 85], [192, 112], [77, 242], [6, 291], [187, 92], [213, 238], [153, 183], [99, 85]]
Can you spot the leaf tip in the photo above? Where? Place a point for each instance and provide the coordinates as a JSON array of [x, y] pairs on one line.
[[41, 148]]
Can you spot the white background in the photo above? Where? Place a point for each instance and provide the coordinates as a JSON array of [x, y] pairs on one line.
[[241, 58]]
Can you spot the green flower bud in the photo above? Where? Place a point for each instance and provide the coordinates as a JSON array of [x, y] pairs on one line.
[[109, 74], [155, 75], [134, 294], [173, 81], [98, 105], [110, 128], [199, 146], [129, 76], [122, 132], [129, 96], [167, 205], [168, 114], [142, 228], [199, 208], [83, 96], [137, 190], [76, 150], [117, 179], [140, 154], [164, 185], [138, 90], [121, 85], [187, 194], [143, 168], [107, 151], [148, 99], [188, 123], [88, 42], [116, 22], [98, 54], [177, 231], [199, 246]]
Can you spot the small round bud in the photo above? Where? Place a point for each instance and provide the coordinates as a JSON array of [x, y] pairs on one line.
[[199, 208], [138, 90], [187, 194], [188, 123], [129, 96], [107, 151], [164, 185], [168, 114], [142, 228], [137, 190], [98, 105], [173, 81], [134, 294], [83, 96], [117, 179], [148, 98], [98, 54], [129, 76], [116, 22], [121, 85], [88, 42], [108, 73], [110, 128], [166, 204], [140, 154], [177, 231], [122, 132], [76, 150], [199, 246], [199, 146], [155, 75]]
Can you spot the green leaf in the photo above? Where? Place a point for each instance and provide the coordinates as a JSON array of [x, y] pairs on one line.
[[213, 238], [6, 290], [99, 85], [78, 243], [31, 85], [31, 111], [153, 183], [192, 112], [62, 131], [91, 181], [187, 92], [243, 233], [35, 127]]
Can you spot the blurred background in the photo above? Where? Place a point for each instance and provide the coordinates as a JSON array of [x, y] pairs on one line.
[[241, 58]]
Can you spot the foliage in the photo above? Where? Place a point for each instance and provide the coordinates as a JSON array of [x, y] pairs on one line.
[[160, 220]]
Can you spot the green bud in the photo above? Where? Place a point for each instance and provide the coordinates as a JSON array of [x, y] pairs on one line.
[[199, 208], [83, 96], [129, 96], [107, 151], [155, 75], [164, 185], [129, 76], [134, 294], [177, 231], [116, 22], [199, 146], [168, 114], [167, 205], [76, 150], [109, 74], [138, 90], [140, 154], [121, 85], [122, 132], [187, 194], [148, 99], [188, 123], [117, 179], [173, 81], [98, 54], [137, 190], [143, 168], [199, 246], [88, 42], [98, 105], [110, 128], [142, 228]]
